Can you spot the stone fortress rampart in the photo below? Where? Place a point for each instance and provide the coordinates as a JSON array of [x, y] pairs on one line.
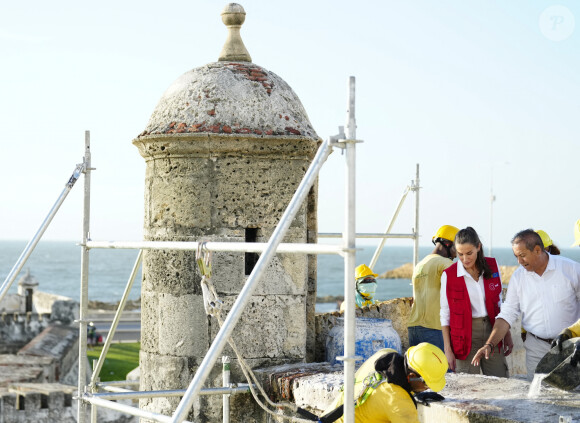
[[42, 404]]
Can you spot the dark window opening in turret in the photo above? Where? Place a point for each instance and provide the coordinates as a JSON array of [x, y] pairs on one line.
[[28, 300], [250, 259]]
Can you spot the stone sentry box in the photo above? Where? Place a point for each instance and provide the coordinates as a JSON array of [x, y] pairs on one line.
[[225, 149]]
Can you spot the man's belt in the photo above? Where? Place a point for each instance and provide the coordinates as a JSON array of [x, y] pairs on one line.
[[549, 341]]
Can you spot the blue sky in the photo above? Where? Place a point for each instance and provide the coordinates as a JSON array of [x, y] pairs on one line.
[[463, 88]]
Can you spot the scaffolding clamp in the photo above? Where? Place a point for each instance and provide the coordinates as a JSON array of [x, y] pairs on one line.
[[76, 174]]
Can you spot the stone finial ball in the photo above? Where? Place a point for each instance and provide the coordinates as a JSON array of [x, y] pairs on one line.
[[233, 14]]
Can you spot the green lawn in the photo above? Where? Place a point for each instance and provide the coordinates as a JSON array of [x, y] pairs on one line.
[[121, 359]]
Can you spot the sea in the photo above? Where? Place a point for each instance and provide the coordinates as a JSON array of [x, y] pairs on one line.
[[56, 267]]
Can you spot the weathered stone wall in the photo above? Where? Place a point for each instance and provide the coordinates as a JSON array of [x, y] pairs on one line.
[[43, 302], [17, 329], [37, 407], [60, 343], [12, 303], [202, 189]]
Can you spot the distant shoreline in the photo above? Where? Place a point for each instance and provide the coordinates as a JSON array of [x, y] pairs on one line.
[[406, 272]]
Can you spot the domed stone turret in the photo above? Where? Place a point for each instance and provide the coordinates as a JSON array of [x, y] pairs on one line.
[[231, 96], [226, 147]]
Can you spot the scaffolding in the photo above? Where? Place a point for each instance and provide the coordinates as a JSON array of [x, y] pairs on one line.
[[110, 392]]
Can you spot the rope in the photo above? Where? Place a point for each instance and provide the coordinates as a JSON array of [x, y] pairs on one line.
[[213, 307]]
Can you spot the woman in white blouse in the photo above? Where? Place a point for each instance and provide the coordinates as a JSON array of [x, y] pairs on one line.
[[470, 301]]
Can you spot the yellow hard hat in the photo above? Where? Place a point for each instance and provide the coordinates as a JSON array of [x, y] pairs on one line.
[[363, 271], [576, 234], [546, 240], [431, 364], [447, 232]]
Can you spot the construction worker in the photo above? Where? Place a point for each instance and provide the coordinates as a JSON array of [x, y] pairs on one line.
[[545, 291], [424, 323], [386, 382], [366, 286], [570, 332], [548, 243], [574, 330], [576, 234]]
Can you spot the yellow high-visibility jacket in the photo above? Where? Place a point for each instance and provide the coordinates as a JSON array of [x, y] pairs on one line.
[[388, 403], [575, 329]]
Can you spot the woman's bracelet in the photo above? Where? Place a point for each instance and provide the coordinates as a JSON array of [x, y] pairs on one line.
[[491, 345]]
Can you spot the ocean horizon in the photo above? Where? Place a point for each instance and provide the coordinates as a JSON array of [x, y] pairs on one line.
[[56, 266]]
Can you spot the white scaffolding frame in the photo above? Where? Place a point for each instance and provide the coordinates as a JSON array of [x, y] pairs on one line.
[[88, 393]]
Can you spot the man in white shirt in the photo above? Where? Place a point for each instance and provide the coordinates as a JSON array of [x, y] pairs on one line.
[[545, 289]]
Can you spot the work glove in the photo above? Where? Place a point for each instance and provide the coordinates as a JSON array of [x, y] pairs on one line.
[[575, 355], [559, 340], [427, 397]]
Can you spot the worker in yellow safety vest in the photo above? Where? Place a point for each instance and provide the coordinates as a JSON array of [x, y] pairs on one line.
[[388, 385], [366, 286], [572, 331]]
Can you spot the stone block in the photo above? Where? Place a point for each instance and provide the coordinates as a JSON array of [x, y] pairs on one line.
[[171, 271], [250, 191], [182, 325], [165, 372], [285, 274], [177, 195], [56, 400], [150, 319], [297, 382], [9, 402], [271, 326]]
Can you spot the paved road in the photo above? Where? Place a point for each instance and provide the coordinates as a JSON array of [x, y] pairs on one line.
[[128, 329]]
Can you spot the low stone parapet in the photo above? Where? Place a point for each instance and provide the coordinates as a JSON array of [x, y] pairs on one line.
[[478, 398], [39, 403], [283, 383], [468, 398], [16, 369]]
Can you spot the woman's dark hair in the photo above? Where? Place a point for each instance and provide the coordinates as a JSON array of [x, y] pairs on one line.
[[469, 236], [552, 249]]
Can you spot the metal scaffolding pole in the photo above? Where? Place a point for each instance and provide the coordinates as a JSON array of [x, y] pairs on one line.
[[124, 394], [116, 319], [350, 257], [249, 247], [367, 235], [84, 295], [415, 235], [38, 235], [416, 188]]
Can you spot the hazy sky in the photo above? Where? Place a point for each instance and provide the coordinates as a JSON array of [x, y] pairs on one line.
[[464, 88]]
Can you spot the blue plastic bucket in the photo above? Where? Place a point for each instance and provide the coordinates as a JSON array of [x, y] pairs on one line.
[[371, 335]]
